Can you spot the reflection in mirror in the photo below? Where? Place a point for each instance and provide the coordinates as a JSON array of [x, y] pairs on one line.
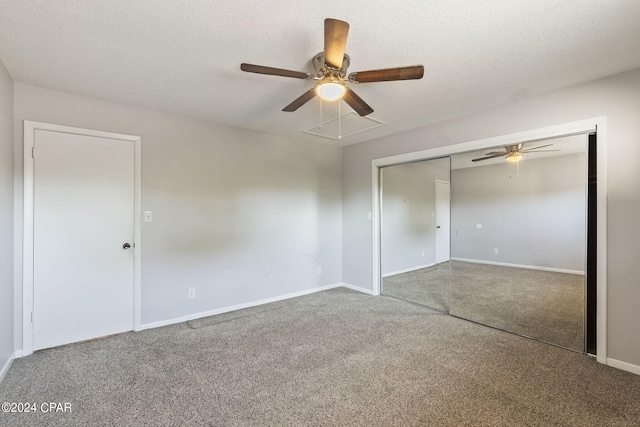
[[518, 239], [415, 232]]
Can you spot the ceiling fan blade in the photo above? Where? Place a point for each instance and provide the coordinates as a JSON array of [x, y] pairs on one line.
[[355, 102], [479, 159], [535, 148], [260, 69], [335, 41], [388, 74], [300, 101], [501, 153]]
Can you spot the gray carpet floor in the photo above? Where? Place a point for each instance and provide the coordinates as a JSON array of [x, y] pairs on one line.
[[428, 286], [544, 305], [334, 358]]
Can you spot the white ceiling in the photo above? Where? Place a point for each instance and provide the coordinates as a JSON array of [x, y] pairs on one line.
[[184, 56]]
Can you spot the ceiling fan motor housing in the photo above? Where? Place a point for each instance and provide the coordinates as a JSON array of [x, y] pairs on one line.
[[323, 69]]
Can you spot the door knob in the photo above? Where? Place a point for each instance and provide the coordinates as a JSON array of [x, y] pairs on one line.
[[437, 226], [126, 246]]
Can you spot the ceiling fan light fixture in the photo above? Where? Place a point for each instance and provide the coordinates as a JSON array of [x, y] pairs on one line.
[[330, 89], [514, 157]]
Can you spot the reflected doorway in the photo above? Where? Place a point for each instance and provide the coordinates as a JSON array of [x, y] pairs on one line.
[[443, 221]]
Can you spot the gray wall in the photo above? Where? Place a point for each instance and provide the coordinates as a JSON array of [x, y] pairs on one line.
[[6, 216], [536, 217], [408, 204], [617, 97], [238, 215]]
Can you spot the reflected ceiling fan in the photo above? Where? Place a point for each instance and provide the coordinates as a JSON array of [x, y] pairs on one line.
[[331, 69], [513, 153]]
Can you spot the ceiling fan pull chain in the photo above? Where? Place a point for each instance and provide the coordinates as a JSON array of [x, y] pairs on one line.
[[339, 121], [320, 126], [518, 169]]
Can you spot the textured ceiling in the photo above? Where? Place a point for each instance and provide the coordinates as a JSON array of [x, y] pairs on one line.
[[184, 56]]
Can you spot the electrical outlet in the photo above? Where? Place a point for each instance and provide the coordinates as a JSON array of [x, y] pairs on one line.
[[319, 271], [191, 293], [495, 251]]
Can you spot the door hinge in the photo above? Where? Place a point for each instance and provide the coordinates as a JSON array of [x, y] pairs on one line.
[[32, 152], [32, 317]]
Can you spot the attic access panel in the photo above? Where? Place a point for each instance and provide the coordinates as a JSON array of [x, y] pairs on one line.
[[349, 124]]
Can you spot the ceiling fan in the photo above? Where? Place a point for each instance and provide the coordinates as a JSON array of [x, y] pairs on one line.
[[331, 70], [513, 153]]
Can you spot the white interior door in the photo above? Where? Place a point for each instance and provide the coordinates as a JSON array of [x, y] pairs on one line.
[[443, 221], [83, 215]]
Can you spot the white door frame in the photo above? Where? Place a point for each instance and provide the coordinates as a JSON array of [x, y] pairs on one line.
[[598, 124], [435, 204], [27, 246]]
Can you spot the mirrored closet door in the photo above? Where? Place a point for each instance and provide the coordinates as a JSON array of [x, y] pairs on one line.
[[498, 237], [518, 239], [415, 229]]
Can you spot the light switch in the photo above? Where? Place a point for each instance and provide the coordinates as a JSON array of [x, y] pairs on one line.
[[148, 216], [369, 216]]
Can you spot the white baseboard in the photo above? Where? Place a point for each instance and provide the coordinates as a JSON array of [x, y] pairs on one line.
[[531, 267], [6, 366], [18, 354], [358, 288], [202, 314], [407, 270], [634, 369]]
